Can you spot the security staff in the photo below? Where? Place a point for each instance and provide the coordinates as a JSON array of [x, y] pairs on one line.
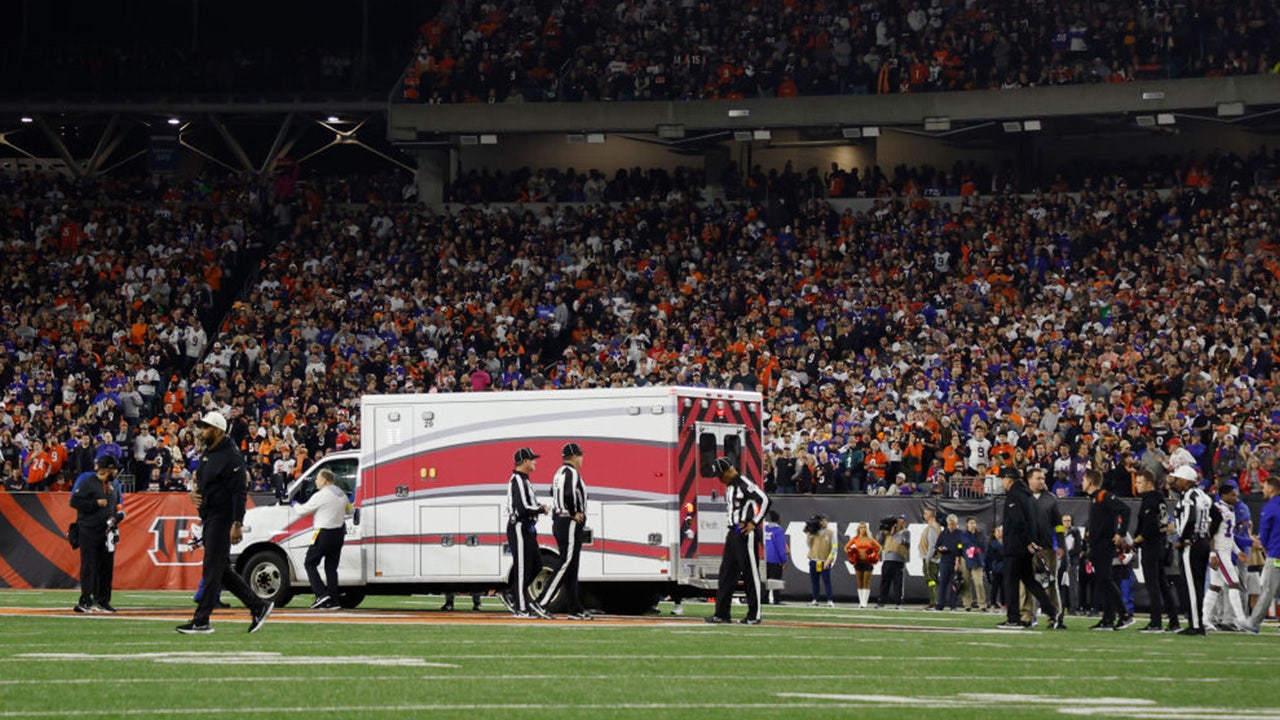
[[219, 493], [1149, 539], [1108, 522], [569, 517], [523, 510], [1193, 541], [96, 499], [329, 505], [1020, 523], [747, 506]]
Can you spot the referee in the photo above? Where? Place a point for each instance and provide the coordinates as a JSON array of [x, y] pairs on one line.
[[523, 510], [747, 505], [1193, 541], [569, 517]]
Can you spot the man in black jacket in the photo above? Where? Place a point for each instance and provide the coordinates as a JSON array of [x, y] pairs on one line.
[[219, 493], [1149, 539], [95, 500], [1108, 521], [1020, 530]]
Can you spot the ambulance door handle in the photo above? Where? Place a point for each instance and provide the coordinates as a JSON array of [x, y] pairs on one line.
[[355, 517], [473, 541]]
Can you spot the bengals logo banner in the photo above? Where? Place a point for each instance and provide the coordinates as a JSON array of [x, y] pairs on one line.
[[153, 553]]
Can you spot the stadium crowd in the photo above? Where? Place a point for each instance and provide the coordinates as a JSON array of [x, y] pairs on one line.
[[582, 50], [916, 342]]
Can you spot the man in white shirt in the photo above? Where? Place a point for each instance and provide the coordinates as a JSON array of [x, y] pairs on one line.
[[329, 505]]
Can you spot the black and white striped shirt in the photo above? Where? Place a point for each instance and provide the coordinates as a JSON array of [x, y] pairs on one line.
[[746, 502], [522, 502], [568, 492], [1193, 515]]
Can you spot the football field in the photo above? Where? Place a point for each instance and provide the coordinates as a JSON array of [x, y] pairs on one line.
[[399, 657]]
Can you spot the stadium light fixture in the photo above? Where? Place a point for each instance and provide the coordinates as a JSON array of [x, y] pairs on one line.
[[26, 120], [1032, 125], [851, 133], [174, 121], [1230, 109], [488, 139], [761, 135], [595, 138], [742, 135], [739, 113], [1165, 119], [670, 132], [334, 119], [1012, 126], [1146, 120], [468, 140], [871, 131], [1153, 95]]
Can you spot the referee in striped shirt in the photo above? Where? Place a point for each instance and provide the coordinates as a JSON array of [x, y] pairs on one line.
[[569, 517], [747, 505], [523, 510]]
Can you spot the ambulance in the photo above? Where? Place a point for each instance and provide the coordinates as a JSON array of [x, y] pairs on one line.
[[428, 490]]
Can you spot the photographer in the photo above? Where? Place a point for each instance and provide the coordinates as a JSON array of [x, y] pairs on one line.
[[822, 554], [896, 544]]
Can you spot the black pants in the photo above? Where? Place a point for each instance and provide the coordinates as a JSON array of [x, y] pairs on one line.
[[106, 576], [327, 547], [739, 561], [891, 582], [568, 534], [526, 562], [93, 556], [218, 572], [1195, 563], [1156, 581], [1106, 589], [1020, 569]]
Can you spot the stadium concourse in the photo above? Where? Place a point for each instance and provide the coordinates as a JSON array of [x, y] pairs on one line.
[[932, 338], [720, 49]]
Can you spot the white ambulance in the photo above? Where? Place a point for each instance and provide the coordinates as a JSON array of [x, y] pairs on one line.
[[429, 485]]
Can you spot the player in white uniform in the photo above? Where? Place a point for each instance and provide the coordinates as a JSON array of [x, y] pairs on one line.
[[1224, 577]]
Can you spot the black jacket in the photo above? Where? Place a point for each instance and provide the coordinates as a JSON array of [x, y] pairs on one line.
[[1108, 516], [1021, 525], [90, 516], [1152, 515], [223, 482]]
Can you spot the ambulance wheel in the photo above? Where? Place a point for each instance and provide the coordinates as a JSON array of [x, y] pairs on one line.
[[550, 563], [350, 598], [268, 576]]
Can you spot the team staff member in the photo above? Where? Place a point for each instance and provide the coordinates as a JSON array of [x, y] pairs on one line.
[[1051, 537], [219, 493], [1020, 521], [1149, 539], [1193, 540], [748, 506], [523, 510], [95, 499], [1108, 520], [569, 517], [329, 505], [1268, 538]]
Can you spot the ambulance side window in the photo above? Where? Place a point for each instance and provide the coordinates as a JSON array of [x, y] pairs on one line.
[[344, 476], [733, 449]]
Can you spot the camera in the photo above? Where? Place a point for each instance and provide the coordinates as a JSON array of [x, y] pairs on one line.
[[888, 524], [813, 525]]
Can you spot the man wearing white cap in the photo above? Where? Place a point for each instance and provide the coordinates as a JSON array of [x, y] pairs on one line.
[[219, 492], [1193, 518]]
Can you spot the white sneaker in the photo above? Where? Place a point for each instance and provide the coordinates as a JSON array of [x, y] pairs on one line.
[[830, 604], [677, 609], [813, 603]]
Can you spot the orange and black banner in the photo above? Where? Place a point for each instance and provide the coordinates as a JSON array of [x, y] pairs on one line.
[[152, 553]]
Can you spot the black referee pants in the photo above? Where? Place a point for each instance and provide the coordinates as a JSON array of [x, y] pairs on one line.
[[522, 537], [1195, 563], [568, 534], [739, 561]]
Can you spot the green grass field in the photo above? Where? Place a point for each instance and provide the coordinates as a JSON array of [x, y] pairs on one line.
[[399, 658]]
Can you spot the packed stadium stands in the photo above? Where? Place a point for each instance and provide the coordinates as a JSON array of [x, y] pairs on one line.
[[718, 49]]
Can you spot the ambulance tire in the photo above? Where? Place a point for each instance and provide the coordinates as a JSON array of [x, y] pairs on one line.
[[550, 563], [267, 573]]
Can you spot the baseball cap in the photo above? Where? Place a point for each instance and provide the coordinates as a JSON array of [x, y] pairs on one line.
[[571, 450], [1186, 472], [525, 454], [721, 465], [213, 419], [107, 462]]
